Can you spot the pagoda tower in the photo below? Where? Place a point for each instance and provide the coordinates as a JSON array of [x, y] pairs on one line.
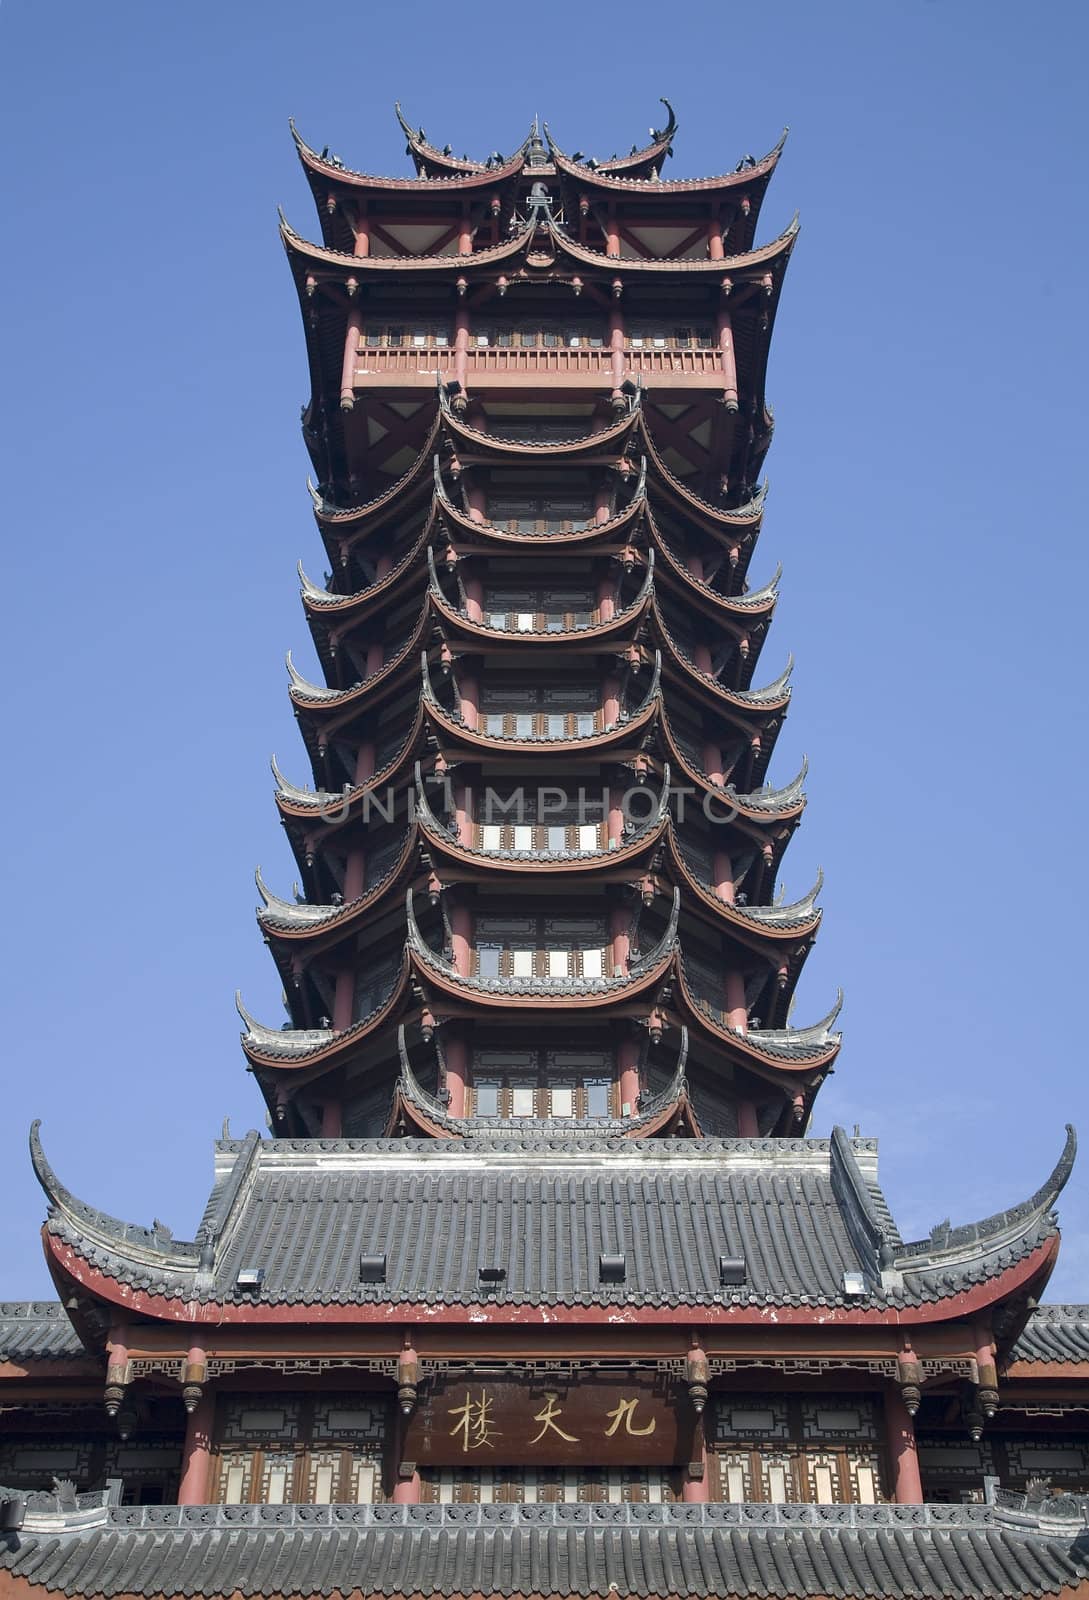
[[540, 846], [538, 1284]]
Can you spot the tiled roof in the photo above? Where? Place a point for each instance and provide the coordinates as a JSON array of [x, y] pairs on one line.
[[35, 1330], [1054, 1334], [945, 1552], [802, 1212]]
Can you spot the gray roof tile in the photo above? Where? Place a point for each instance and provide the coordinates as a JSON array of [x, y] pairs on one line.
[[1054, 1334], [952, 1552], [35, 1330]]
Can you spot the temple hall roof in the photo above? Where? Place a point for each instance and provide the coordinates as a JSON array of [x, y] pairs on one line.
[[927, 1552], [804, 1214]]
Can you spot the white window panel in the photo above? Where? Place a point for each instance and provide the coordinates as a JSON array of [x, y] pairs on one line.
[[557, 839], [236, 1485], [559, 963], [523, 1102], [276, 1491], [593, 963], [522, 963], [529, 1489], [486, 1488], [446, 1488], [523, 838], [822, 1483], [563, 1101], [588, 836], [865, 1485], [486, 1099], [323, 1484], [525, 622], [491, 836], [615, 1491], [364, 1483], [735, 1485]]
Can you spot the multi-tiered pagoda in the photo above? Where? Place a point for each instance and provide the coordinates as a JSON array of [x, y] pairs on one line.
[[537, 1284]]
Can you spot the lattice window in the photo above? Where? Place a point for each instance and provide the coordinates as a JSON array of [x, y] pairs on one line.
[[418, 336], [533, 1486], [539, 820], [538, 711], [773, 1448], [32, 1463], [539, 609], [540, 947], [320, 1448], [540, 513], [542, 1083]]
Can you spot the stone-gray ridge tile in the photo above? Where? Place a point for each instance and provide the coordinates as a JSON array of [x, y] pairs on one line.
[[1054, 1334], [921, 1552], [36, 1330]]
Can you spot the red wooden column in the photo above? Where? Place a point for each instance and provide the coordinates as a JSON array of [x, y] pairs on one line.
[[194, 1488], [461, 935], [614, 820], [351, 356], [344, 1000], [463, 814], [617, 359], [722, 872], [728, 357], [465, 232], [469, 698], [612, 232], [907, 1484], [461, 346], [610, 709], [332, 1124], [715, 247], [628, 1063], [456, 1055], [737, 1010], [619, 941], [362, 246], [364, 762]]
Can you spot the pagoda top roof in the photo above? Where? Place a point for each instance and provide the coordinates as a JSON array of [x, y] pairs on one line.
[[807, 1215], [1019, 1547], [642, 159]]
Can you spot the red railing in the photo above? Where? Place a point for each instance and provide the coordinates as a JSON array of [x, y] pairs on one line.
[[532, 362]]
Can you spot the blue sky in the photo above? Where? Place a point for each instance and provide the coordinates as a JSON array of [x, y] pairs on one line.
[[927, 501]]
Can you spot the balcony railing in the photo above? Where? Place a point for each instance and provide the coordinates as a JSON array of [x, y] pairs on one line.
[[513, 361]]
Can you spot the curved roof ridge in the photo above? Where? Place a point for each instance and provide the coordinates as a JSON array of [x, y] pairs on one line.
[[608, 174], [420, 146], [817, 1033], [751, 512], [945, 1245], [612, 430], [325, 512], [462, 174], [777, 248], [867, 1229], [152, 1243], [289, 1041], [767, 798], [302, 912], [295, 241]]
